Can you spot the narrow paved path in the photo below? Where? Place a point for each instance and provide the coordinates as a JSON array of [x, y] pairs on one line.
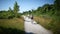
[[32, 27]]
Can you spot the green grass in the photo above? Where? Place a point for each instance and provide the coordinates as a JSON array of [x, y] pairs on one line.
[[15, 23], [42, 21]]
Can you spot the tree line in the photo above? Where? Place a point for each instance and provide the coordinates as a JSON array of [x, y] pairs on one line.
[[46, 9]]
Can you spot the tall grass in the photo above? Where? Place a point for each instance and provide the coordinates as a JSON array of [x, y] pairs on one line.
[[15, 23]]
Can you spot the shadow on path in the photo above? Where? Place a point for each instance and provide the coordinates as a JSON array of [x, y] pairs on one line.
[[30, 33], [10, 31]]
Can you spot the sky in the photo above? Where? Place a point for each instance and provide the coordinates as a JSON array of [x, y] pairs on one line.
[[24, 5]]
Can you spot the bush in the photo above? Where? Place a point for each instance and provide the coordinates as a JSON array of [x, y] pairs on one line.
[[55, 25]]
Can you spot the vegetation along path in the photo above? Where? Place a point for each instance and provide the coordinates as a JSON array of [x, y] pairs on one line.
[[32, 27]]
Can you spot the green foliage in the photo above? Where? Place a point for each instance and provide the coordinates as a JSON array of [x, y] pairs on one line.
[[10, 13], [5, 14], [18, 15], [16, 9], [55, 25], [57, 4]]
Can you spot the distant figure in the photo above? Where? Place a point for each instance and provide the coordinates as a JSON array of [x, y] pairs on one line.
[[31, 16]]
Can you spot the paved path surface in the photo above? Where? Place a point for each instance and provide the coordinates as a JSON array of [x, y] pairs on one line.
[[32, 27]]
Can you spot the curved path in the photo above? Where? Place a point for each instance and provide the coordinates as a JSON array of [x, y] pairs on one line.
[[32, 27]]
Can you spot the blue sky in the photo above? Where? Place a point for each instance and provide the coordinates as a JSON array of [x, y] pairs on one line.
[[25, 5]]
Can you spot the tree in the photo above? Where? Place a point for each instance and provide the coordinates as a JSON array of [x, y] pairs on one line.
[[16, 9], [57, 7], [57, 4], [38, 9]]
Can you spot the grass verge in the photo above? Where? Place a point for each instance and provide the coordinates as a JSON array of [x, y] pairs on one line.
[[13, 24], [42, 21]]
